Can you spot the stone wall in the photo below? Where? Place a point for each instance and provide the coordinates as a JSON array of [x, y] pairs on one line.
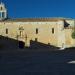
[[26, 31]]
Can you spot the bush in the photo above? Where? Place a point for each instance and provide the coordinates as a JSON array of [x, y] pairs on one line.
[[73, 35]]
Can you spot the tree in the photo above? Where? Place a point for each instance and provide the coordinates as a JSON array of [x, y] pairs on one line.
[[73, 34]]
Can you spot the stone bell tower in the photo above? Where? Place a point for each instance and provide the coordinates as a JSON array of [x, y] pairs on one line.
[[3, 11]]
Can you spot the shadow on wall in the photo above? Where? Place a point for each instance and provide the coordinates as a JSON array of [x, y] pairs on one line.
[[9, 43], [71, 48], [12, 44], [36, 44]]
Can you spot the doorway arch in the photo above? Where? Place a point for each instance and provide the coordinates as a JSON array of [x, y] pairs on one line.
[[21, 44]]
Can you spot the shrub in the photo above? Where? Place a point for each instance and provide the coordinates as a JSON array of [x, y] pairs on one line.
[[73, 34]]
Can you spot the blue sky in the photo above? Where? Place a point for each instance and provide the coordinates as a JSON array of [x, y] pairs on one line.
[[40, 8]]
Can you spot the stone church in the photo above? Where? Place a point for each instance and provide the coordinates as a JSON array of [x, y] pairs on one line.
[[53, 31]]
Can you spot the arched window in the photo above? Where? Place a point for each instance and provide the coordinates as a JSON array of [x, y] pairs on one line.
[[21, 29], [1, 8], [3, 14], [52, 30], [36, 30], [0, 14]]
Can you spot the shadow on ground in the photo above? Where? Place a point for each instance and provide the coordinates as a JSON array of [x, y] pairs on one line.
[[37, 63]]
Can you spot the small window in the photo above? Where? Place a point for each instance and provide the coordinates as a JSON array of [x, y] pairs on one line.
[[1, 8], [36, 30], [6, 31], [3, 14], [36, 39], [52, 30], [20, 33], [0, 14]]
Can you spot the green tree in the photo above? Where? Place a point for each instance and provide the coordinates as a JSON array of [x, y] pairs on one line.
[[73, 34]]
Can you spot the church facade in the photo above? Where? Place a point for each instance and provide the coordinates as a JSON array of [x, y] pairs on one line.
[[53, 31]]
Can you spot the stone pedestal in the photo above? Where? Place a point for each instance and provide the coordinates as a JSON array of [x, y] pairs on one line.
[[27, 43]]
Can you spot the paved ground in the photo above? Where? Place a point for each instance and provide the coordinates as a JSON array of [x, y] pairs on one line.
[[37, 62]]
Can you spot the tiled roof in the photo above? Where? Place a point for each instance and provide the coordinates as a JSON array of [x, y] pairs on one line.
[[36, 19], [33, 19]]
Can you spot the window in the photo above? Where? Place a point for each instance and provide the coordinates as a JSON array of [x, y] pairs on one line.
[[1, 8], [6, 31], [52, 30], [36, 39], [36, 30], [20, 33], [2, 14]]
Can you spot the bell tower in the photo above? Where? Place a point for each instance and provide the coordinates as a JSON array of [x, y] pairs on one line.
[[3, 11]]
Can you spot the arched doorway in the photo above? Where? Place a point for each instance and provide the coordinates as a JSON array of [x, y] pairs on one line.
[[21, 44]]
